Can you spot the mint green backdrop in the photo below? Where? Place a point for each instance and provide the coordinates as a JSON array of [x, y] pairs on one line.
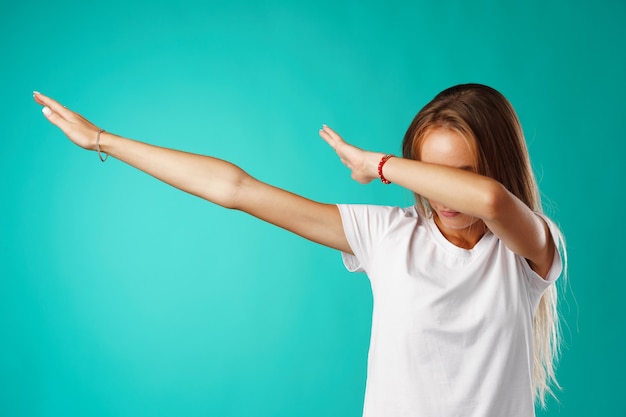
[[121, 296]]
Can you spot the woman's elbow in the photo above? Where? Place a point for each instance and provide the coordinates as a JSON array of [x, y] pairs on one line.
[[227, 190], [496, 200]]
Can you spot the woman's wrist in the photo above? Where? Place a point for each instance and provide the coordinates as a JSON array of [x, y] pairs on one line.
[[379, 168], [102, 144], [372, 163], [102, 140], [100, 152]]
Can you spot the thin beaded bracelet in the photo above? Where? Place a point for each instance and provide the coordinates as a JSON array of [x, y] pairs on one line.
[[380, 168], [98, 146]]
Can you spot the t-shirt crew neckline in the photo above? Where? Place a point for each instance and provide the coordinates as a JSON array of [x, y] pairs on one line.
[[478, 248]]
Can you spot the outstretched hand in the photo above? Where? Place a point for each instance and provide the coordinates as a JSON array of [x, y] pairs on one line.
[[80, 130], [363, 164]]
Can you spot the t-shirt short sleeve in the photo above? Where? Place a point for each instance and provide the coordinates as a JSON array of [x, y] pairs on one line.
[[538, 283], [365, 226]]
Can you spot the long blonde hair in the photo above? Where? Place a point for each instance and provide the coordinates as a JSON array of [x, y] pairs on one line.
[[486, 119]]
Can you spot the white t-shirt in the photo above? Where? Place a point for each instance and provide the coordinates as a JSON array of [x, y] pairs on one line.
[[452, 329]]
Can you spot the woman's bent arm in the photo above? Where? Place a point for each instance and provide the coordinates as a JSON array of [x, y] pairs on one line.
[[213, 179], [515, 224]]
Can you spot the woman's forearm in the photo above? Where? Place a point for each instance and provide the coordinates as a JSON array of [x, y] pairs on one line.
[[210, 178], [455, 188]]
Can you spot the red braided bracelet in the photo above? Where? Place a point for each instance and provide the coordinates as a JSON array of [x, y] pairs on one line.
[[380, 168]]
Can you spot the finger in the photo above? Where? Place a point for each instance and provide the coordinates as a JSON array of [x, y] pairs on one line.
[[332, 133], [37, 97], [56, 119], [54, 105], [327, 138]]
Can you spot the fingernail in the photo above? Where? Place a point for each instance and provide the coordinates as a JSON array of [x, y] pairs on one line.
[[46, 110], [36, 92]]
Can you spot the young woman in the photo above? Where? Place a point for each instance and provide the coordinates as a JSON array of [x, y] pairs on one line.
[[464, 320]]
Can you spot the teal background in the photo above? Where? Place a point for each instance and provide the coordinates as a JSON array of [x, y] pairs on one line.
[[120, 296]]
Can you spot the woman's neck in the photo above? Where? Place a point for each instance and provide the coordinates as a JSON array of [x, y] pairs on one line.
[[463, 238]]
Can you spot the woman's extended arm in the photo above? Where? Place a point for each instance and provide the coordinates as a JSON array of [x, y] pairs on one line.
[[515, 224], [213, 179]]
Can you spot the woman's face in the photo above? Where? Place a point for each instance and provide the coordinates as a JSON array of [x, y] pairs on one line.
[[446, 147]]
